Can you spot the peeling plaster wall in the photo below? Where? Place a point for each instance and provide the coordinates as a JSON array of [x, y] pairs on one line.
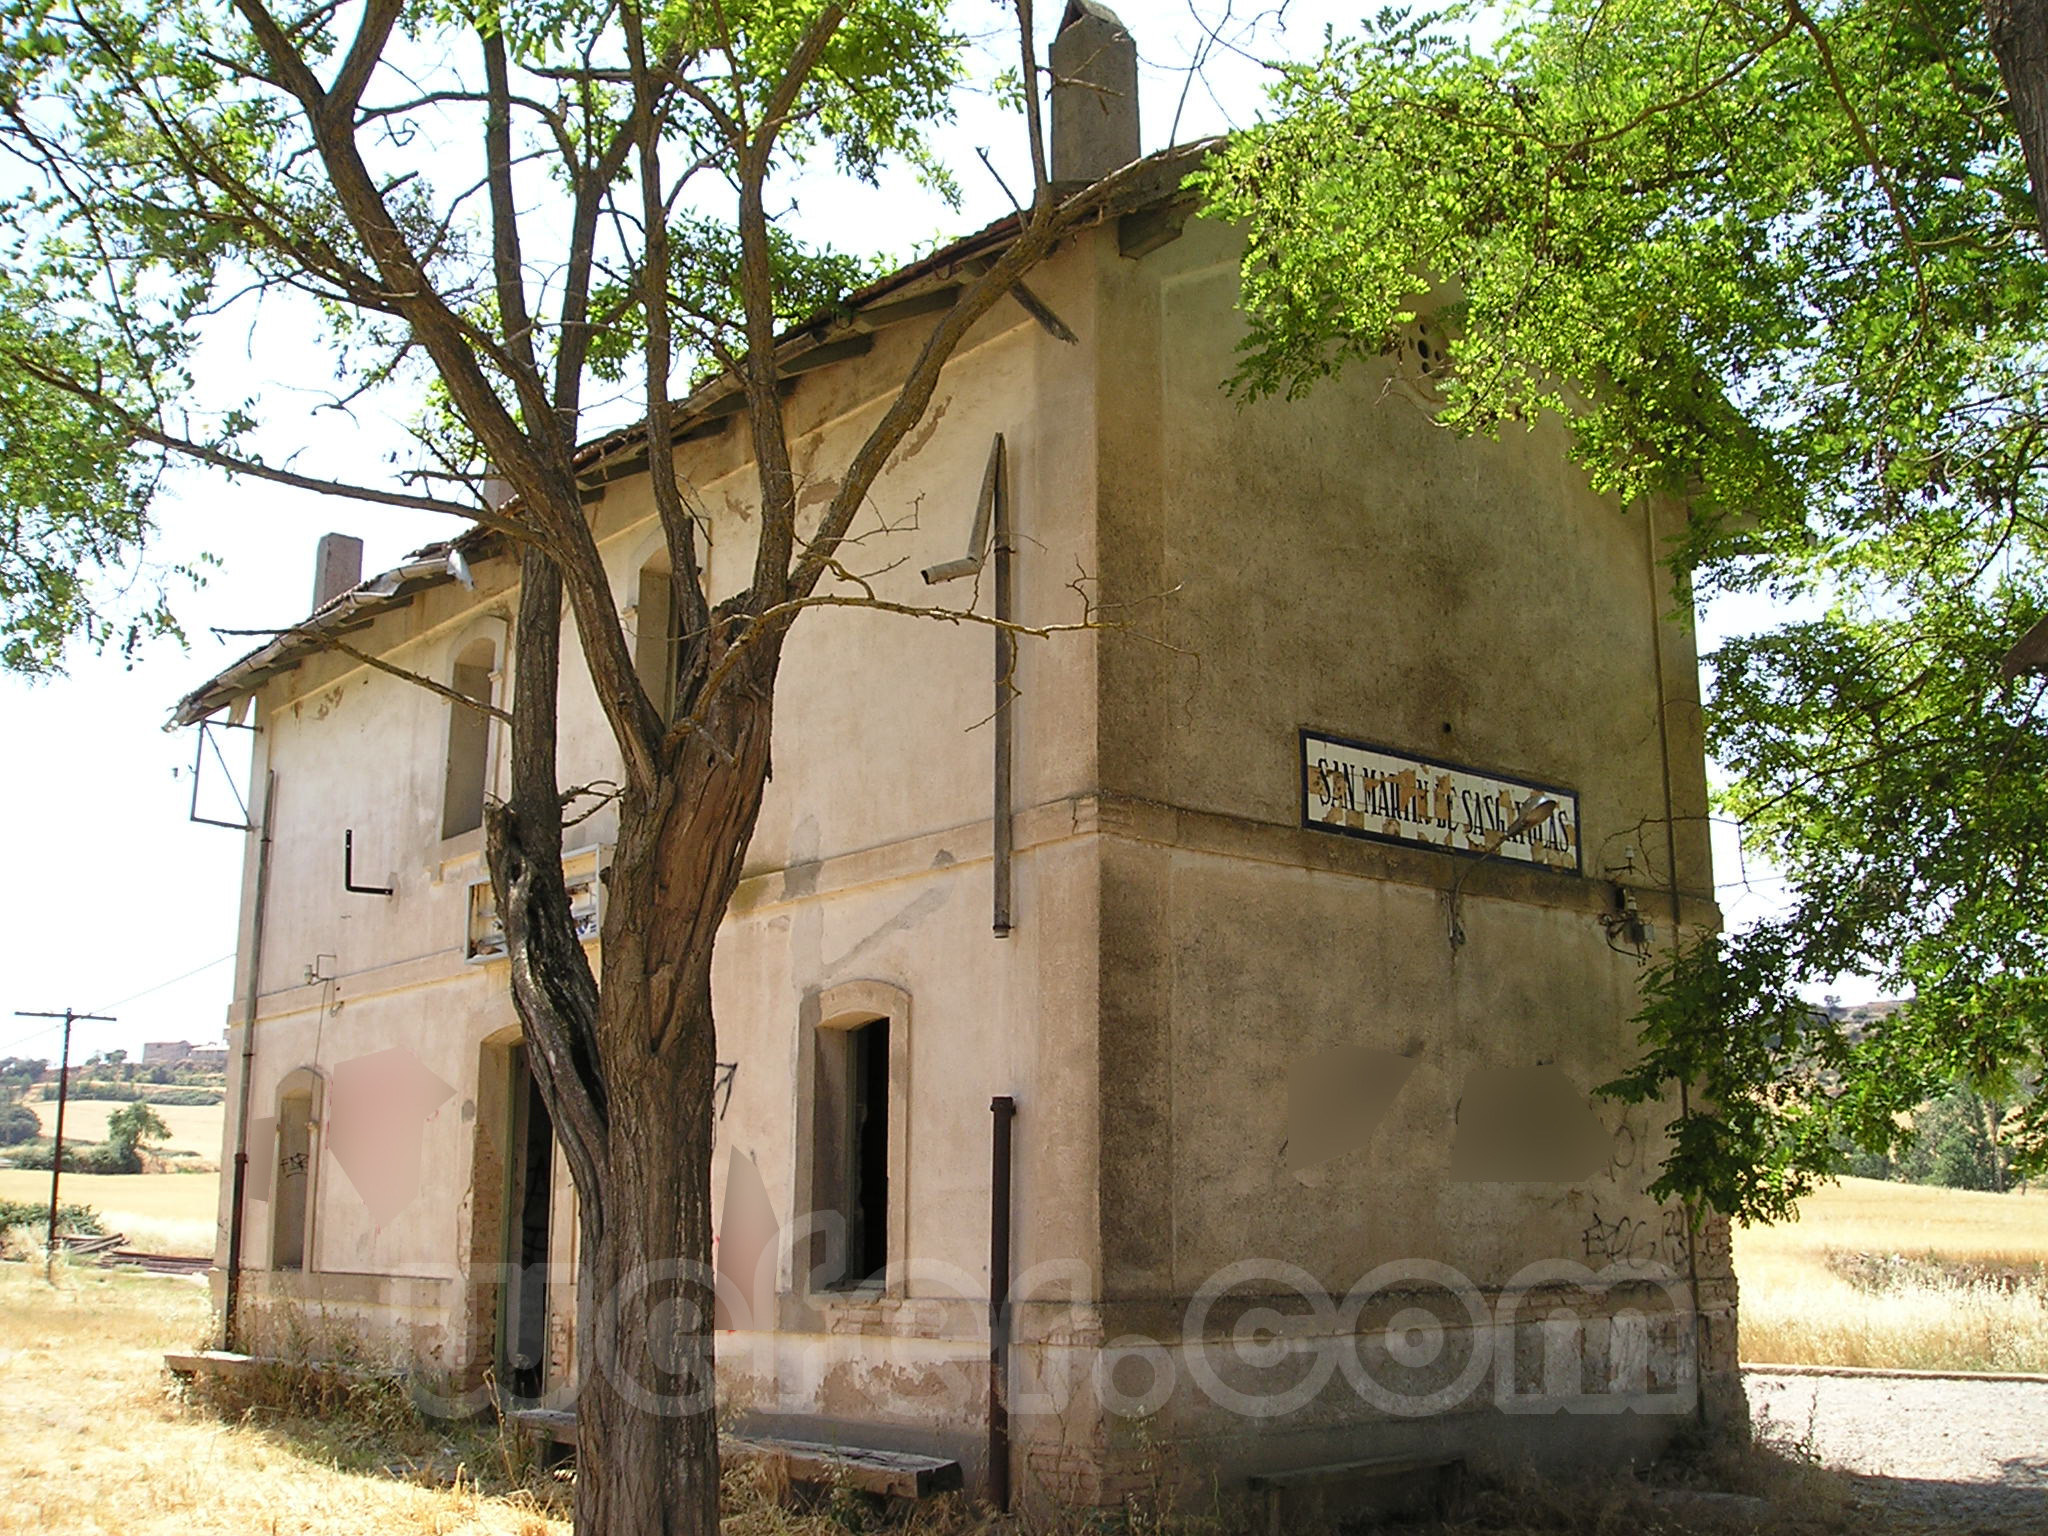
[[1340, 563], [872, 861], [1182, 944]]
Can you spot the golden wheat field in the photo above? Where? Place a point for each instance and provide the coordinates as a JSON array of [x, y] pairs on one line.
[[1899, 1276], [159, 1212], [195, 1128]]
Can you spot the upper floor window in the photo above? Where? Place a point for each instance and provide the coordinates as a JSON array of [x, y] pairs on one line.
[[658, 635], [469, 741]]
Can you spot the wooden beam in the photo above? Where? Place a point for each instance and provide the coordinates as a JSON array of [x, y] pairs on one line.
[[898, 1474], [826, 353], [1141, 233], [879, 317], [1040, 311]]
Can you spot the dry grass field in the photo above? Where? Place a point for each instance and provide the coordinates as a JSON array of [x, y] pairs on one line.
[[1900, 1276], [160, 1212], [195, 1128], [97, 1443]]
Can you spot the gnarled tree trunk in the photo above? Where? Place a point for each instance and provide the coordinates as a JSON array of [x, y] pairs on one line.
[[628, 1070]]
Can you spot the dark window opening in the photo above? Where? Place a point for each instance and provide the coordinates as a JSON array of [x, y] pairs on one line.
[[526, 1310], [867, 1205], [850, 1112], [659, 646]]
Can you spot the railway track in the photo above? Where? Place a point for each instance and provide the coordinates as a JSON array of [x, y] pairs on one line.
[[159, 1263], [108, 1249]]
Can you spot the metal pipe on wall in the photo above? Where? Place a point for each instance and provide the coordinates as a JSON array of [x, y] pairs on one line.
[[236, 1220], [1006, 686], [1004, 1109]]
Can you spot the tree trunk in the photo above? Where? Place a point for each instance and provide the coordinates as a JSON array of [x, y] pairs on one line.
[[2019, 41], [627, 1071], [1994, 1120], [647, 1430]]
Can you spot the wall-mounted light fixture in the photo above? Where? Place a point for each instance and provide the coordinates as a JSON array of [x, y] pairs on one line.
[[1534, 812]]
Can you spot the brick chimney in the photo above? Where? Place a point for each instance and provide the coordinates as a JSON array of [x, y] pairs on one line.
[[337, 567], [1094, 94]]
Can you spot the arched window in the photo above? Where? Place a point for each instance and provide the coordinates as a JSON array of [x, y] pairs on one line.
[[858, 1124], [291, 1201], [657, 634], [469, 741]]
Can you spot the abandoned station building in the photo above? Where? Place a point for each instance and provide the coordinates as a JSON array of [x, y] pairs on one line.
[[1297, 908]]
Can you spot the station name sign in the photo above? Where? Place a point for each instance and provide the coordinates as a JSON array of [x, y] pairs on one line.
[[1359, 790]]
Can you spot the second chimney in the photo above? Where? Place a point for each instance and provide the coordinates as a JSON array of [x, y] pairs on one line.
[[337, 567], [1094, 94]]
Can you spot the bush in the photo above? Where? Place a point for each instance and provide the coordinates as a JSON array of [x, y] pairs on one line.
[[128, 1093], [187, 1096], [82, 1220], [114, 1157], [18, 1124], [1868, 1165], [80, 1157]]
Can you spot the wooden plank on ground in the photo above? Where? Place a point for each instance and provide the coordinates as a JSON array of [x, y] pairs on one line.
[[209, 1362], [899, 1474]]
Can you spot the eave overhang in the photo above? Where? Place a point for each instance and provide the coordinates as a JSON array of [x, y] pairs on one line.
[[1150, 205]]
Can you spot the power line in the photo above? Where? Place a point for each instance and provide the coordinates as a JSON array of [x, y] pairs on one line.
[[35, 1034], [150, 991]]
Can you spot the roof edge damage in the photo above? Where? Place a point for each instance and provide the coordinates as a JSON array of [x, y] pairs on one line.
[[923, 288]]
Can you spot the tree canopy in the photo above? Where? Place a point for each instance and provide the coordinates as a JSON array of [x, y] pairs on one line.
[[170, 168], [1780, 261]]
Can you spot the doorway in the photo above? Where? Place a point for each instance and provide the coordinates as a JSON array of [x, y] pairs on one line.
[[529, 1208]]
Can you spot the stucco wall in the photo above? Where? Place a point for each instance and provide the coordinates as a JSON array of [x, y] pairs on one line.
[[1182, 944], [1341, 563], [872, 860]]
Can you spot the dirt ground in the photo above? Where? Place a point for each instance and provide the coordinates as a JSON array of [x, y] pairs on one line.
[[1955, 1455]]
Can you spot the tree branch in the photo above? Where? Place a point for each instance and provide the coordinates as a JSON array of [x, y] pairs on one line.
[[327, 642]]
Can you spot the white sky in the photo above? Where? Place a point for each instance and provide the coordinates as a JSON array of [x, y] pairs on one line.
[[117, 896]]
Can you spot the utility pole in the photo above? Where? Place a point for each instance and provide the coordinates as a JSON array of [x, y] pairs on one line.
[[63, 1096]]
